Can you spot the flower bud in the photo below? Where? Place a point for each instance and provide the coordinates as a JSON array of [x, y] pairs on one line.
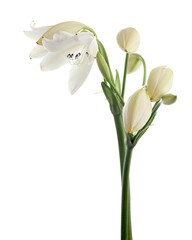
[[134, 62], [128, 39], [159, 82], [137, 111], [169, 99], [103, 67]]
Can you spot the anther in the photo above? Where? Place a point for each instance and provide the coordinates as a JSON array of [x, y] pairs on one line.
[[77, 55]]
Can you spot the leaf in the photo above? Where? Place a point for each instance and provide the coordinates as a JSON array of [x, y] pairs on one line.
[[114, 104], [117, 82], [148, 123]]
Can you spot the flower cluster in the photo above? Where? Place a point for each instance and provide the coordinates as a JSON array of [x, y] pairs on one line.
[[75, 43], [138, 108]]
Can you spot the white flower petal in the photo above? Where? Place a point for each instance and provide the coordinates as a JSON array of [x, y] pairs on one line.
[[61, 42], [38, 51], [93, 47], [70, 27], [84, 38], [78, 75], [53, 61], [36, 33]]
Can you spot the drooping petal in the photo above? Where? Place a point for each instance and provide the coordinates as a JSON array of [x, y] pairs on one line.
[[85, 38], [78, 75], [36, 33], [38, 51], [53, 60], [93, 47], [61, 42], [70, 27]]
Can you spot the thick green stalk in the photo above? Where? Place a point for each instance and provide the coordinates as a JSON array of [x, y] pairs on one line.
[[125, 74], [121, 136], [126, 232]]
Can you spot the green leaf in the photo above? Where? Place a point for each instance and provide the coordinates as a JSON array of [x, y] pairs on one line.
[[117, 82], [114, 104], [148, 123], [144, 129]]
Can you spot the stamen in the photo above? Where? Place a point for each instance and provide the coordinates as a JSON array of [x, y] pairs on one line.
[[69, 55], [77, 55], [77, 59]]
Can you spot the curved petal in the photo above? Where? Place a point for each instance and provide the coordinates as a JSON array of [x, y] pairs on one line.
[[78, 75], [53, 61], [93, 47], [61, 42], [36, 33], [85, 38], [38, 51], [71, 27]]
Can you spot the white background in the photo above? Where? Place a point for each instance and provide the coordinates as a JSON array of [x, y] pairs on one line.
[[59, 167]]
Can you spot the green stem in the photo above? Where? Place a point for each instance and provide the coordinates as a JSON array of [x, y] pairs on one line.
[[144, 71], [121, 136], [144, 68], [126, 232], [125, 75]]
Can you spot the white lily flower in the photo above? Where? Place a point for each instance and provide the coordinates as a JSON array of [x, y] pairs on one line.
[[78, 49]]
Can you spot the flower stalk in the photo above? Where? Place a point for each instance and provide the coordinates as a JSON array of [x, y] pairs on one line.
[[121, 136], [125, 74], [126, 230]]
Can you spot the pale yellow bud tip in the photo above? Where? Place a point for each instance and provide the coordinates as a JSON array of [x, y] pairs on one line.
[[128, 40]]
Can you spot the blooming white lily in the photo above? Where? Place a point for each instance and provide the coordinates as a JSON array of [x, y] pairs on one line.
[[78, 49]]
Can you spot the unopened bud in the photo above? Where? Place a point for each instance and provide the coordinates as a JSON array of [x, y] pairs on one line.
[[128, 40], [137, 111], [169, 99], [159, 82], [103, 67], [134, 62]]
